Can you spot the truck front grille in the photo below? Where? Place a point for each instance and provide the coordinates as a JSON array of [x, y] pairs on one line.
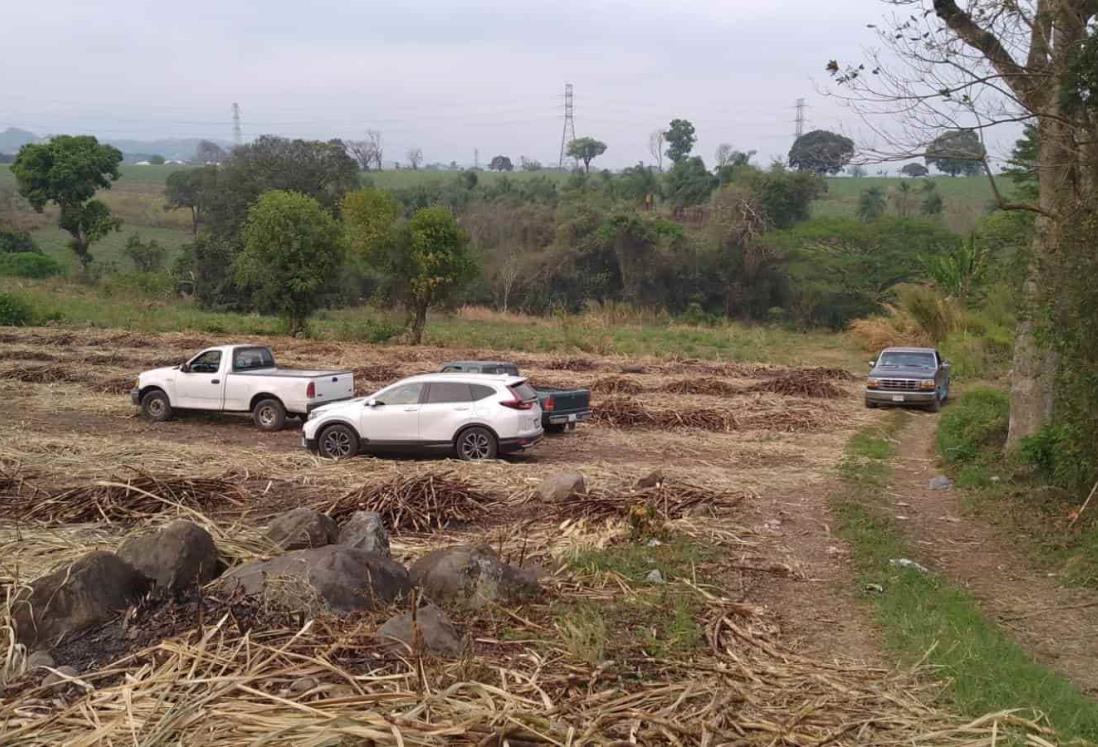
[[900, 385]]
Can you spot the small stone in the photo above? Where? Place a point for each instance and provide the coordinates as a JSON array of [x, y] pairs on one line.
[[59, 676], [652, 480], [654, 542], [874, 588], [302, 685], [365, 531], [907, 563], [40, 659], [432, 629], [654, 576], [941, 482], [995, 478], [561, 486]]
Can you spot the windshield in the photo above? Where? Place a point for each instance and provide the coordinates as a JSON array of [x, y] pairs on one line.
[[907, 360]]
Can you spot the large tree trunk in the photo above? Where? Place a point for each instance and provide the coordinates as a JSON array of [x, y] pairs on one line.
[[419, 323]]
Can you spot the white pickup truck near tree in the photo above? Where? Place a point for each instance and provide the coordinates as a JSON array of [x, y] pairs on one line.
[[239, 378]]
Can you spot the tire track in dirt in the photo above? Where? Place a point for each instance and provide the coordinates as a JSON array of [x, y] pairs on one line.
[[1053, 622]]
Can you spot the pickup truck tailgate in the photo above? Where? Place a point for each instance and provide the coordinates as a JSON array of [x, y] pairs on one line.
[[330, 387]]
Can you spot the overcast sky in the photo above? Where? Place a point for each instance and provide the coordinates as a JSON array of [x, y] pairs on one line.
[[449, 77]]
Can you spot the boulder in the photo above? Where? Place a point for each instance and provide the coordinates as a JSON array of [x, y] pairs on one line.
[[302, 528], [436, 634], [653, 479], [86, 592], [562, 485], [941, 482], [177, 557], [365, 531], [471, 576], [340, 578]]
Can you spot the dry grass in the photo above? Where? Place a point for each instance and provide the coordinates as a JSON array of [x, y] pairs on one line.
[[799, 384], [616, 385], [700, 385], [417, 503], [571, 364], [668, 500]]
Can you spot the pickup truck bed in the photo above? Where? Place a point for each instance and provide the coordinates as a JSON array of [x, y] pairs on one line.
[[290, 373]]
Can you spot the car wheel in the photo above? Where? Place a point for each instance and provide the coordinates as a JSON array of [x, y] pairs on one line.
[[156, 406], [871, 405], [935, 404], [555, 428], [269, 415], [476, 444], [337, 442]]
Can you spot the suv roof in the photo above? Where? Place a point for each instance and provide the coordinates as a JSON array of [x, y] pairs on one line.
[[507, 379], [479, 363], [908, 350]]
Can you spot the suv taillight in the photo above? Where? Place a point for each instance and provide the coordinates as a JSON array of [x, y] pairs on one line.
[[310, 391], [517, 404]]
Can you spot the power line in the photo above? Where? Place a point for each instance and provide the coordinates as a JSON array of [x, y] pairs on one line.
[[569, 133]]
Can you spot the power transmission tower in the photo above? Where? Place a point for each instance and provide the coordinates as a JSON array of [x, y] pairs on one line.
[[238, 137], [476, 158], [800, 107], [569, 133]]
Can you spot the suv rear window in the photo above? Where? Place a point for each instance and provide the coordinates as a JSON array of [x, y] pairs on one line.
[[524, 392]]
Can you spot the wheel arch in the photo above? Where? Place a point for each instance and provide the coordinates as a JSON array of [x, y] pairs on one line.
[[256, 399], [145, 390], [467, 426]]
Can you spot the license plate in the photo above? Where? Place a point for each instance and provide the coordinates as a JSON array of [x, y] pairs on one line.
[[897, 398], [571, 418]]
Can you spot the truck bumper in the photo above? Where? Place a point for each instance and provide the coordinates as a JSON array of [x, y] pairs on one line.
[[552, 418], [135, 396], [885, 397], [511, 445]]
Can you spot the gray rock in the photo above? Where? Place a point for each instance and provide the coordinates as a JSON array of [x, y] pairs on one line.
[[301, 529], [365, 531], [302, 685], [340, 578], [653, 479], [562, 485], [40, 659], [177, 557], [654, 576], [436, 634], [941, 482], [908, 563], [86, 592], [59, 676], [471, 576]]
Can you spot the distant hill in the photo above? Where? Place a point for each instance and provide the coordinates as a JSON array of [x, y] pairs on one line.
[[13, 138], [181, 149]]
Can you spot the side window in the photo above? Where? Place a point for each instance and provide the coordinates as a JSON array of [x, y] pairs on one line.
[[481, 392], [448, 391], [247, 359], [208, 362], [405, 394]]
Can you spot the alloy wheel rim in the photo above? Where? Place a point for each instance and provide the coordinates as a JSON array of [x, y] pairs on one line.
[[475, 446], [337, 444]]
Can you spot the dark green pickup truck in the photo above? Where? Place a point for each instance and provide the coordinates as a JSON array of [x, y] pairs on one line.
[[560, 408]]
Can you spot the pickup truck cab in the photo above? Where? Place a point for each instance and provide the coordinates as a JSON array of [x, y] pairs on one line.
[[239, 378], [560, 408], [908, 376]]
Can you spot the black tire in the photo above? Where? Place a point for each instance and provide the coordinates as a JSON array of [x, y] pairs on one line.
[[269, 415], [935, 404], [156, 406], [337, 442], [871, 405], [555, 428], [476, 444]]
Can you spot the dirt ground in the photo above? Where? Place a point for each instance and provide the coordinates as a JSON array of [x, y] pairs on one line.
[[1055, 623], [70, 424]]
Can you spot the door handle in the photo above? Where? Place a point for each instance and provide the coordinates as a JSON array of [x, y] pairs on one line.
[[461, 409], [215, 381], [410, 409]]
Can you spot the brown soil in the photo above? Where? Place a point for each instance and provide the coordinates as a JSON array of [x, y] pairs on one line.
[[1053, 622]]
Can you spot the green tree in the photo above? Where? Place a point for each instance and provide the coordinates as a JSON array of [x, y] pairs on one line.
[[293, 251], [903, 199], [369, 215], [191, 189], [67, 171], [786, 196], [146, 256], [932, 201], [957, 153], [871, 204], [914, 170], [689, 183], [821, 152], [586, 149], [501, 163], [960, 271], [157, 160], [680, 139]]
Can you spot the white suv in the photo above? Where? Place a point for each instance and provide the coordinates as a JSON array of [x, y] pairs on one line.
[[475, 416]]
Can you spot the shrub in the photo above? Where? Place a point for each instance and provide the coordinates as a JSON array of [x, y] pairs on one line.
[[29, 265], [14, 311], [974, 429], [1059, 455], [16, 241], [141, 284], [146, 256]]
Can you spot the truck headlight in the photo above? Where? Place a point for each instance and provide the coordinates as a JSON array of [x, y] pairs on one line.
[[872, 383], [927, 384]]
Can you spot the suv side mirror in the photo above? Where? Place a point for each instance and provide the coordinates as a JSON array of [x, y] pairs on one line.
[[872, 364], [946, 364], [185, 368], [371, 402]]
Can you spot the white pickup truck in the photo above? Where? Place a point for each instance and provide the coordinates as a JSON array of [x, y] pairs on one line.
[[239, 378]]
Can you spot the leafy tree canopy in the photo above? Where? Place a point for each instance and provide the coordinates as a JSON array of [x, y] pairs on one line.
[[957, 153], [914, 170], [689, 183], [501, 163], [821, 152], [586, 149], [293, 252], [369, 215], [680, 139]]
